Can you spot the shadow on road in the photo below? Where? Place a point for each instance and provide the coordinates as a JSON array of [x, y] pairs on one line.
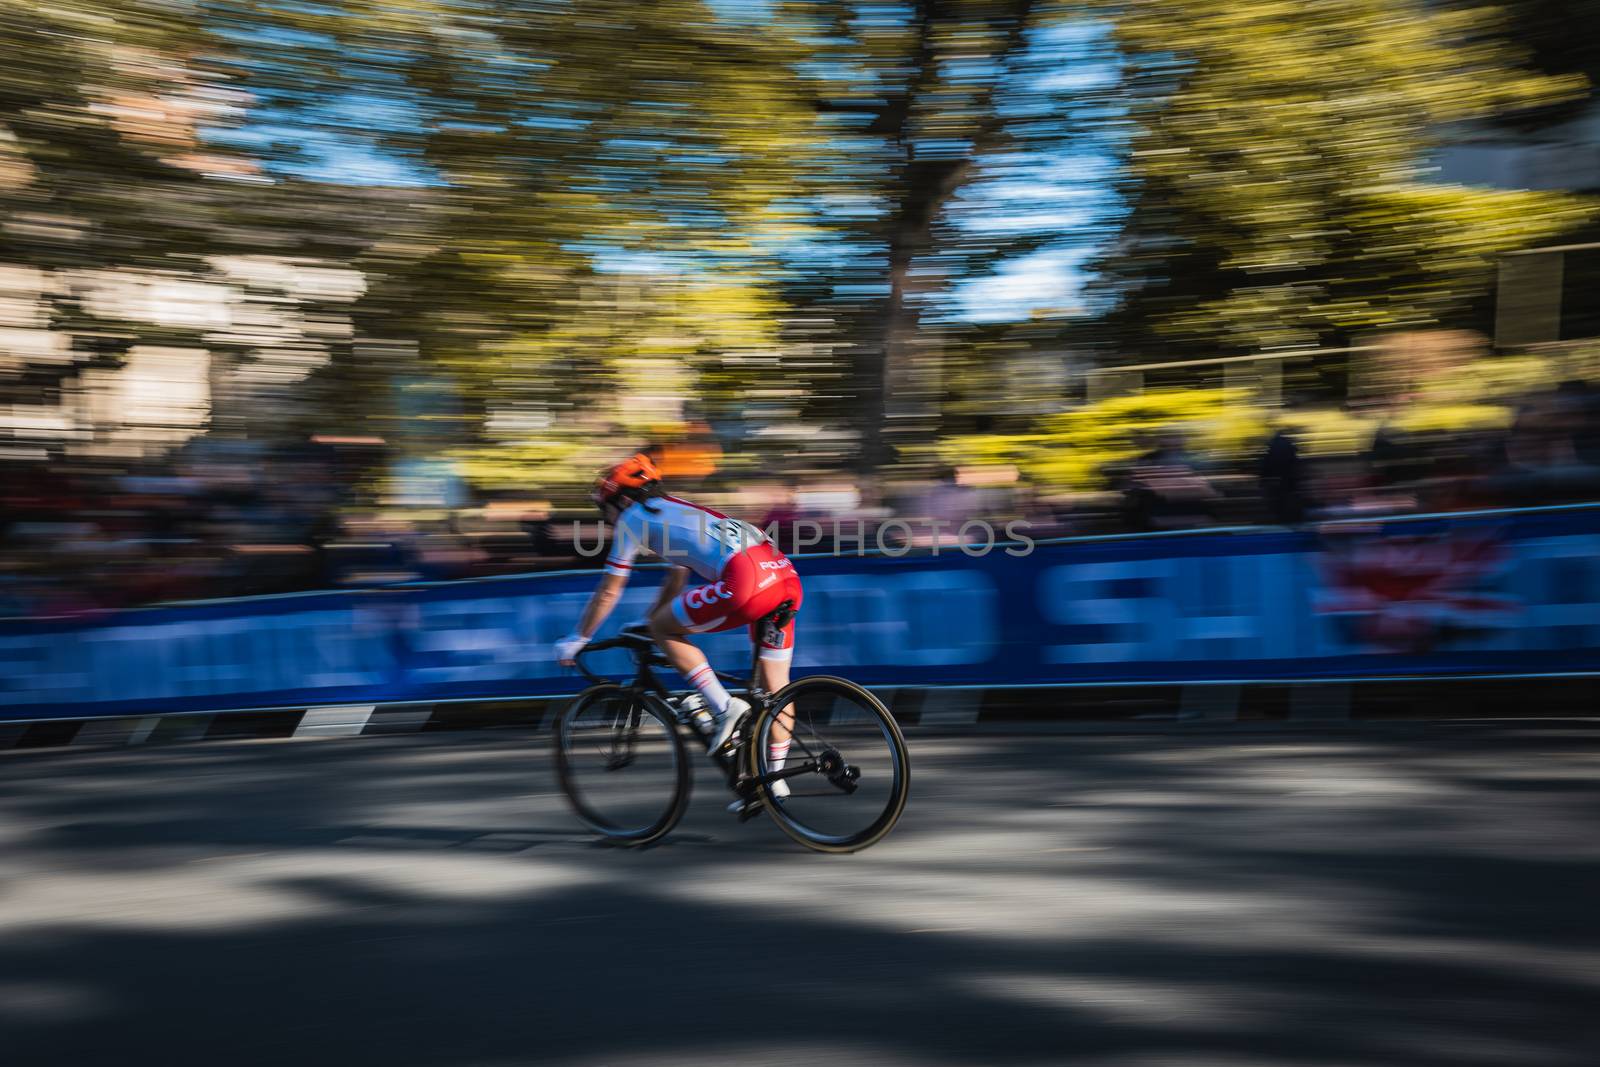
[[1106, 901]]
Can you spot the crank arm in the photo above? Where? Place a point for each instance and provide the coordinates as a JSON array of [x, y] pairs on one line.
[[808, 767]]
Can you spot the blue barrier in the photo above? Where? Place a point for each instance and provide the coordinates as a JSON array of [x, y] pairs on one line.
[[1493, 593]]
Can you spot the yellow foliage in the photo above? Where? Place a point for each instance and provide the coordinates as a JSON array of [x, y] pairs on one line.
[[1494, 379], [1073, 448], [1330, 431], [1428, 418]]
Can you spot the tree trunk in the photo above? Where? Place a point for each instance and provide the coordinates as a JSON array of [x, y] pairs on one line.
[[898, 380]]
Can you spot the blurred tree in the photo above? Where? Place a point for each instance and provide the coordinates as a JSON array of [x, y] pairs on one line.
[[99, 119], [601, 207], [1276, 172], [801, 181], [605, 181], [928, 103], [98, 159], [1558, 38], [125, 219]]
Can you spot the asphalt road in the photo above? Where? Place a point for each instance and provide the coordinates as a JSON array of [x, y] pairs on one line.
[[1426, 898]]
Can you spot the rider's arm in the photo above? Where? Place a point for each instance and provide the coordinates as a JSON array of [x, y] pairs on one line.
[[605, 598], [626, 542]]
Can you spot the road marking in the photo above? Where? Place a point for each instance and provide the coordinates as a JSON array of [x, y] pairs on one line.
[[338, 720]]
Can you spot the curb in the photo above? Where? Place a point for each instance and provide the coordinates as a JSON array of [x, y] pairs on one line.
[[1144, 709]]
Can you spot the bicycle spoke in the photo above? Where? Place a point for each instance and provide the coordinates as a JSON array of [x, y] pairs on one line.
[[621, 765], [854, 759]]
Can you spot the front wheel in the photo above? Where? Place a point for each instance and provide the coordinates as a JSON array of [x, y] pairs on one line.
[[622, 764], [845, 764]]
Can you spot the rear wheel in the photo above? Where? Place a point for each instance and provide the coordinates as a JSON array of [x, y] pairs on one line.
[[622, 764], [850, 774]]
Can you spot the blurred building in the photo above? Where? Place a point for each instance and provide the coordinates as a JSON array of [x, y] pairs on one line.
[[1532, 154], [242, 329], [1544, 295]]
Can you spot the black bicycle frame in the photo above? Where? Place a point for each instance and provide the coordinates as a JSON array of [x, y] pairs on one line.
[[646, 655]]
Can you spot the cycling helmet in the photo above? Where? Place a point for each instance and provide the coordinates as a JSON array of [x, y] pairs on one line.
[[635, 479]]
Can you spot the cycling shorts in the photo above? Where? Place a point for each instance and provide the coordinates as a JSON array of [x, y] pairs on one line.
[[752, 584]]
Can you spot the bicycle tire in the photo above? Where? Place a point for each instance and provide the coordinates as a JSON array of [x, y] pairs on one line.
[[796, 829], [676, 805]]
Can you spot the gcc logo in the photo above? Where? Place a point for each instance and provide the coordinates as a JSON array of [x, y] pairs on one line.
[[705, 595]]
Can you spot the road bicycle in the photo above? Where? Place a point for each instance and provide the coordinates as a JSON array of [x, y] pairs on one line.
[[624, 754]]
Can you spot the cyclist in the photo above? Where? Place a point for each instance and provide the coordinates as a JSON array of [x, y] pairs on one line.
[[744, 578]]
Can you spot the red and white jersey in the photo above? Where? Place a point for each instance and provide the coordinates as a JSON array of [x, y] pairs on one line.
[[680, 533]]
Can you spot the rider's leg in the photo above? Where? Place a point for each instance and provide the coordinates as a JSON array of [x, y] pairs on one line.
[[676, 579], [772, 674], [772, 664], [685, 658]]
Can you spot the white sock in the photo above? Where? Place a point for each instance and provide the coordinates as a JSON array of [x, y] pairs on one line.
[[777, 753], [705, 679]]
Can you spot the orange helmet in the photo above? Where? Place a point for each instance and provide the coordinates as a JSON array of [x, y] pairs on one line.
[[636, 479]]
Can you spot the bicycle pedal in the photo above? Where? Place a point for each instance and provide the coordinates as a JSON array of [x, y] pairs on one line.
[[751, 809]]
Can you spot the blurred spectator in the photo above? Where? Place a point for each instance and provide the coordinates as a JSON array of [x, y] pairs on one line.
[[945, 507], [1163, 489], [1281, 477], [950, 501], [1585, 399], [1393, 459], [781, 518], [1544, 461], [544, 536], [1045, 516], [222, 517], [375, 551]]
